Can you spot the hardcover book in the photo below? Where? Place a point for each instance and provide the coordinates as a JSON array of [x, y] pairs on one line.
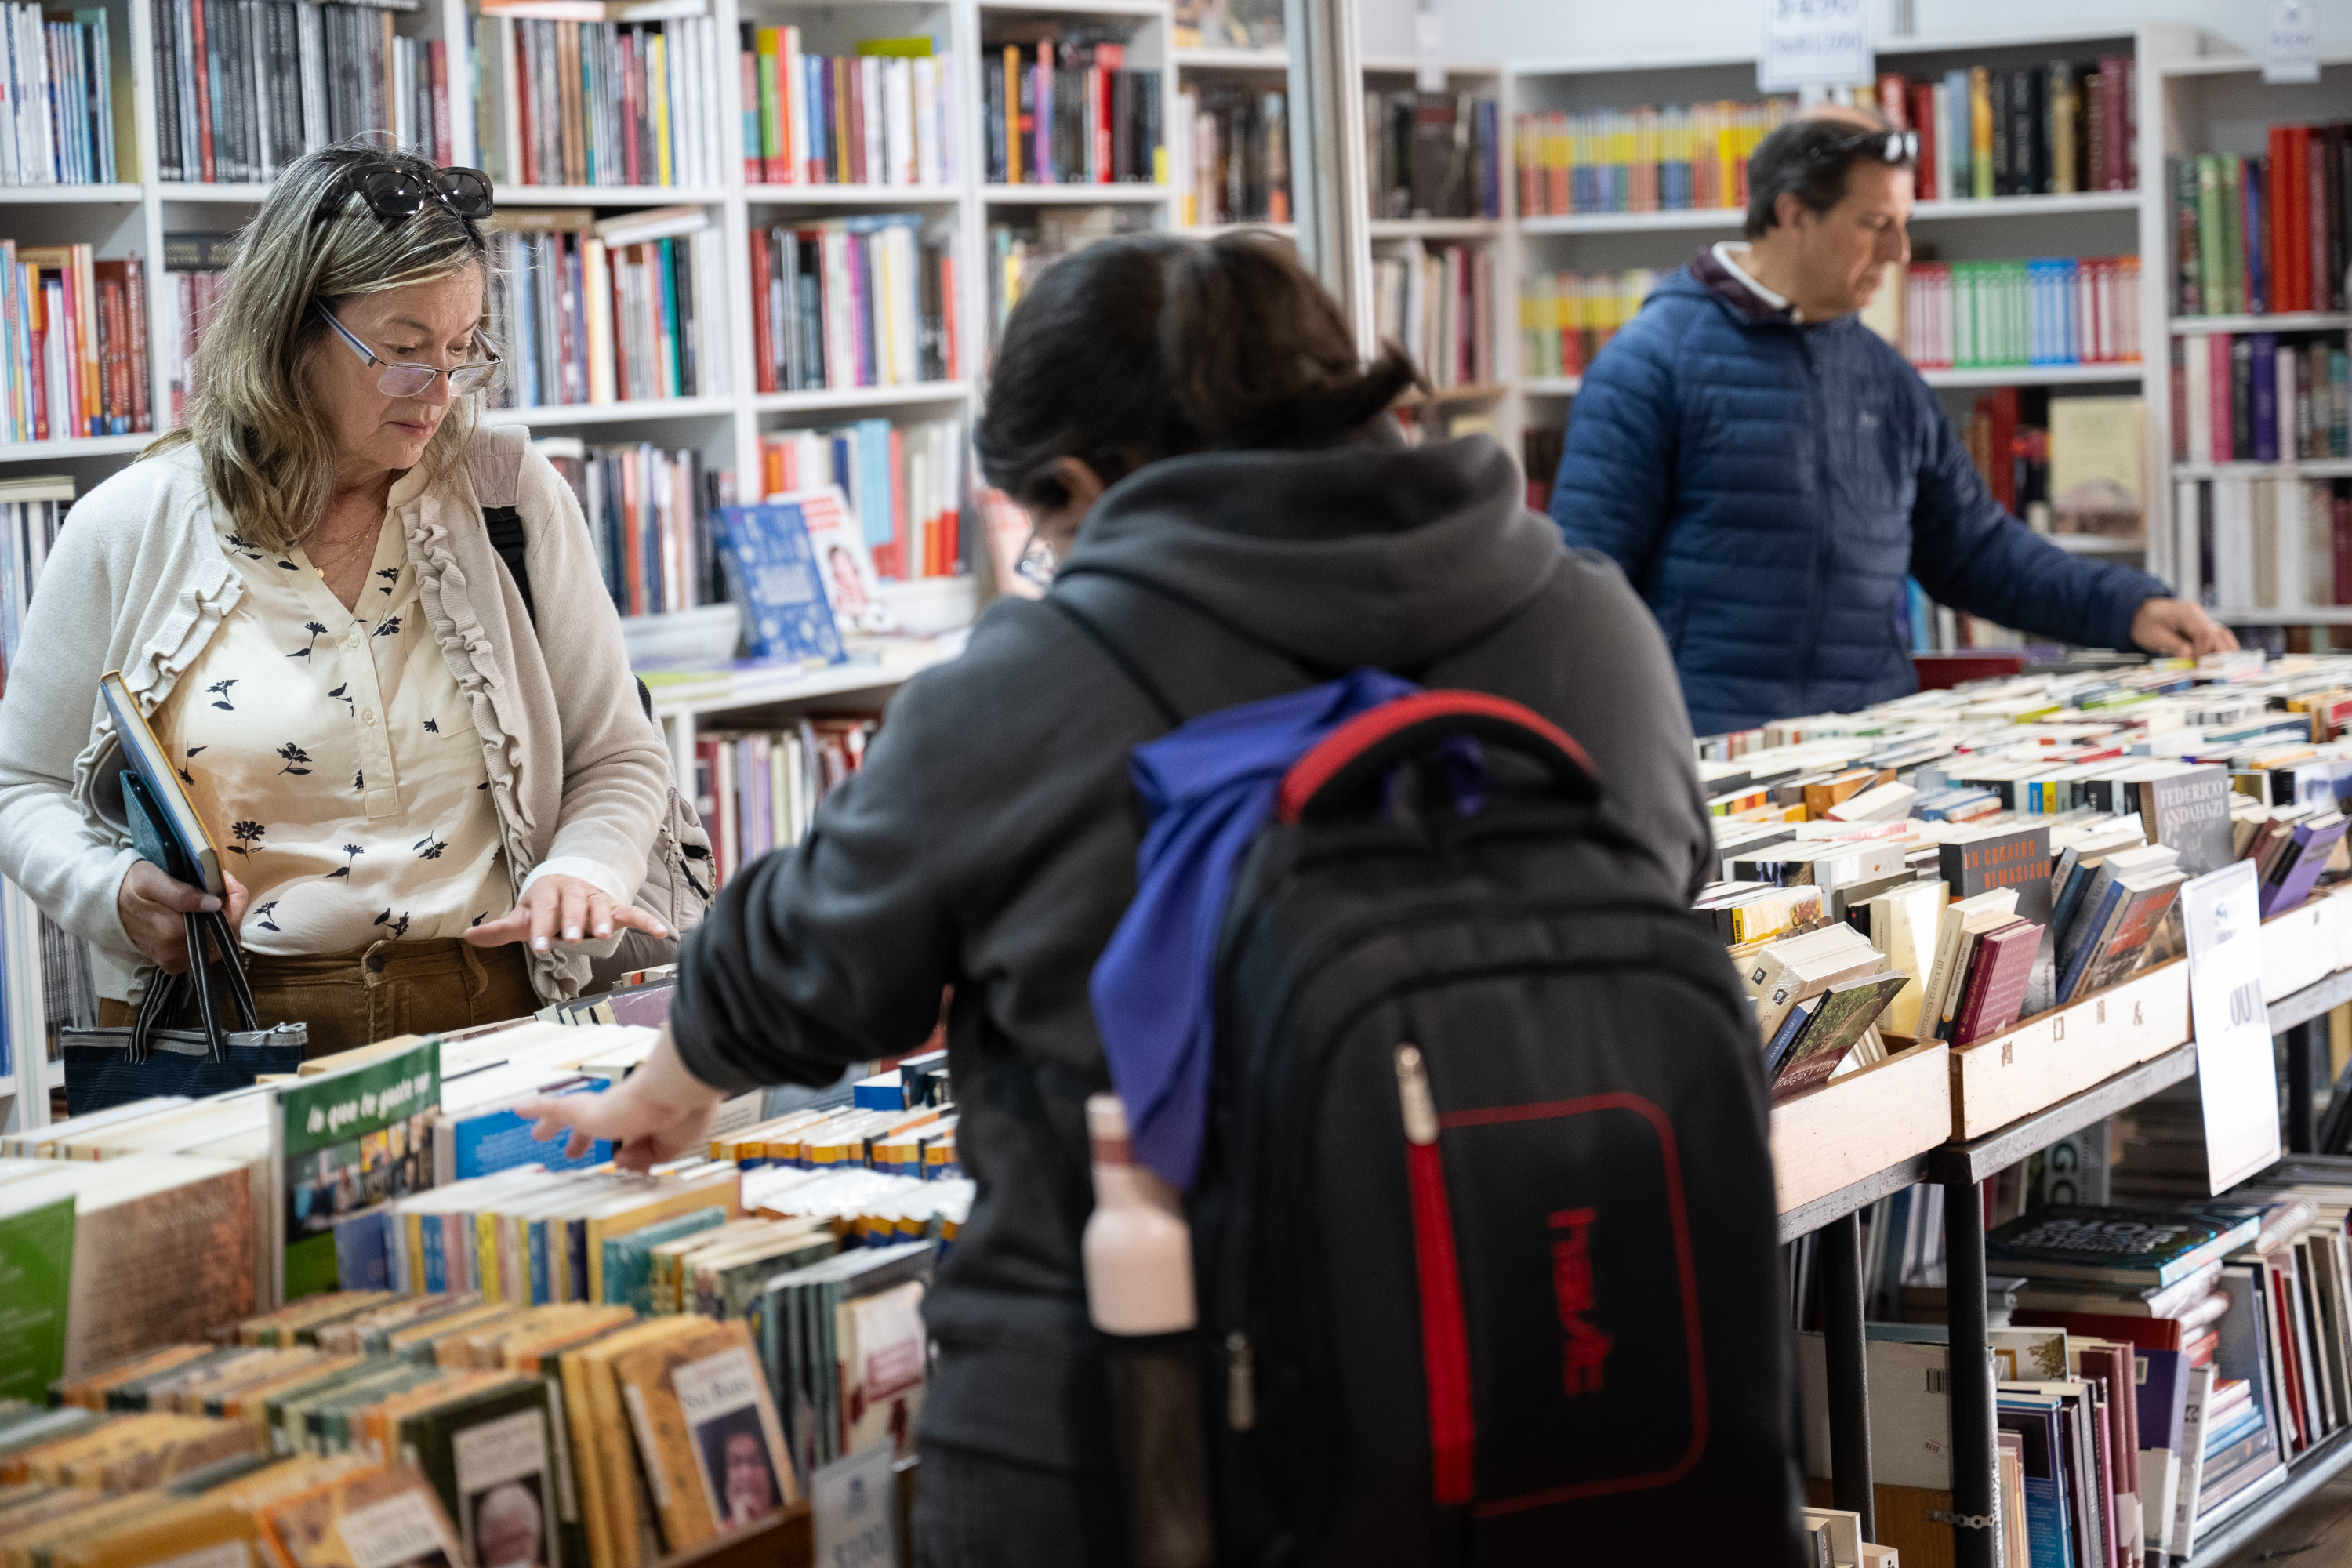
[[1997, 990], [778, 582], [2001, 857], [2190, 812], [2123, 1246]]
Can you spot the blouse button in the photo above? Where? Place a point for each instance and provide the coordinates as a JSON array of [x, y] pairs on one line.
[[367, 716]]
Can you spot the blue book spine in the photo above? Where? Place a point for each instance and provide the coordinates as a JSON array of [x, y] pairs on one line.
[[575, 1247], [536, 1233], [2262, 395], [2079, 960], [437, 1273]]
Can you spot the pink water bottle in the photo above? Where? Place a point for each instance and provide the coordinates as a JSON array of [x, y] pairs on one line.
[[1137, 1248]]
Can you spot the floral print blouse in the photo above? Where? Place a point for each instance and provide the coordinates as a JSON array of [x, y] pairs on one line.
[[335, 759]]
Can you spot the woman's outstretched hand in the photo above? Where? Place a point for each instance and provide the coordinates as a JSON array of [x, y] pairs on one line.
[[660, 1113], [569, 907]]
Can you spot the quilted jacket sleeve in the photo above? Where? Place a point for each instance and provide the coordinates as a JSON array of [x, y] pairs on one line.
[[1968, 552], [1616, 484]]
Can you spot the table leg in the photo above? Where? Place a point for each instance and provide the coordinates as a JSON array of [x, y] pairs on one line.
[[1976, 1496], [1849, 1390], [2299, 1127]]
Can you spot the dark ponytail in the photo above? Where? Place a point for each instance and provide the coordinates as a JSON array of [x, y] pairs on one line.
[[1150, 345]]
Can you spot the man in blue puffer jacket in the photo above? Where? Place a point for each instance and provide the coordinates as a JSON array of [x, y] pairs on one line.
[[1768, 470]]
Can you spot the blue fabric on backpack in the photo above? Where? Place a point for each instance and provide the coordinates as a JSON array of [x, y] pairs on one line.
[[1210, 784]]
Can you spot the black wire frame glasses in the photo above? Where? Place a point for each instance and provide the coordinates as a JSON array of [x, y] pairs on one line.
[[1886, 146], [412, 380], [398, 190]]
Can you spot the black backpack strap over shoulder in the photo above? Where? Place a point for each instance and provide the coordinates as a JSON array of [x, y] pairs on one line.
[[504, 525]]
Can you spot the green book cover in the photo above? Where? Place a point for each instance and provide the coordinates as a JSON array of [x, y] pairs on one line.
[[490, 1457], [629, 1259], [738, 1284], [2213, 267], [36, 1274], [2233, 236], [341, 1142]]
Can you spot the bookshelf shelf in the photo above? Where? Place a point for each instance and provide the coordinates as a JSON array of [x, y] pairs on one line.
[[1229, 59], [2095, 544], [852, 195], [859, 397], [2232, 65], [2285, 616], [2305, 469], [1634, 222], [194, 192], [2290, 321], [1436, 228], [86, 446], [1455, 71], [1070, 196], [736, 689], [77, 195], [567, 414], [1151, 8], [2036, 374], [609, 196], [1973, 42], [1211, 230], [1552, 386], [2029, 207]]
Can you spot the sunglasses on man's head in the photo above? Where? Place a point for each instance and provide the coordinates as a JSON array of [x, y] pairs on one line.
[[1886, 146], [397, 191]]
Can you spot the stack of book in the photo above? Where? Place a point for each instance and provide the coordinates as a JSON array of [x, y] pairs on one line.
[[195, 278], [1437, 302], [1568, 317], [59, 78], [2267, 234], [1674, 159], [2261, 397], [2052, 130], [1432, 154], [1231, 146], [852, 301], [73, 343], [243, 88], [32, 510], [624, 308], [1069, 111], [903, 486], [875, 118], [597, 103], [758, 789], [1975, 315], [648, 511]]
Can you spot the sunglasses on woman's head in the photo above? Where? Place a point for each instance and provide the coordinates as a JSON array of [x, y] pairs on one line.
[[1886, 146], [397, 191], [410, 380]]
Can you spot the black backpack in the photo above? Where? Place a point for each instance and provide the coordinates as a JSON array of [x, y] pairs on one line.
[[1484, 1227]]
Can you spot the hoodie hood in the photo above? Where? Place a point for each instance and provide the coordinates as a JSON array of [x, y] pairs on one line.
[[1413, 550]]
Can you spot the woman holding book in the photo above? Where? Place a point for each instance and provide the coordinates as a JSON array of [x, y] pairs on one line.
[[1192, 418], [428, 819]]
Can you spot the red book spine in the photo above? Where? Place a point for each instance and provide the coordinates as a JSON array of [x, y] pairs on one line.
[[2111, 74], [2318, 289], [114, 337], [2277, 214], [2217, 349], [904, 548], [2340, 511], [764, 357], [1923, 115], [203, 91], [947, 314], [2004, 447], [1895, 102], [444, 143], [526, 133]]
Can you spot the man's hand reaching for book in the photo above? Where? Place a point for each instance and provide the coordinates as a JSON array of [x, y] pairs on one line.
[[659, 1112], [155, 910], [2178, 628]]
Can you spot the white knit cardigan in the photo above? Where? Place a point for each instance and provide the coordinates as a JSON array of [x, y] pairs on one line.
[[138, 583]]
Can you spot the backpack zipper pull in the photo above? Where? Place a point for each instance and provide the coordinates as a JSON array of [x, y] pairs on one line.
[[1413, 1089], [1241, 1383]]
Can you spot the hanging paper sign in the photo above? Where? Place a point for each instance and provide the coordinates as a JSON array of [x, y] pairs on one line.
[[1428, 51], [1817, 43], [2235, 1076], [2290, 44]]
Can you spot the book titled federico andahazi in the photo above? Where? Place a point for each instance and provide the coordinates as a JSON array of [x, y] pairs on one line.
[[339, 1142], [778, 582]]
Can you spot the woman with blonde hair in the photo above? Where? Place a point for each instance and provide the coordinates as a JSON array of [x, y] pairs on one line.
[[432, 812]]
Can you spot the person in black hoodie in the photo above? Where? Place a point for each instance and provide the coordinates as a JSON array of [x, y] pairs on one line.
[[1227, 504]]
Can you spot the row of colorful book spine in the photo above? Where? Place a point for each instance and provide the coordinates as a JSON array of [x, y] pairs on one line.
[[57, 99], [1674, 159], [1568, 317], [2056, 129], [904, 484], [625, 309], [1069, 112], [2263, 542], [2261, 398], [1432, 154], [648, 511], [1967, 315], [1231, 149], [1437, 302], [851, 302], [243, 88], [846, 120], [2266, 234], [757, 789], [597, 103], [75, 358]]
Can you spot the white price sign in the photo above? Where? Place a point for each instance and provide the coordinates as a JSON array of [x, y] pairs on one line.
[[2290, 44], [1814, 43], [2235, 1076], [855, 1503], [1428, 51]]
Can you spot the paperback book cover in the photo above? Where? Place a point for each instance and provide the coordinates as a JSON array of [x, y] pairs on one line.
[[36, 1244], [707, 1432], [2190, 812], [386, 1517], [341, 1142], [2125, 1247], [779, 582], [2005, 858], [1843, 1011]]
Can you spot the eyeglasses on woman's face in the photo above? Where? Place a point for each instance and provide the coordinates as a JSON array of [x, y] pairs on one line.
[[412, 380]]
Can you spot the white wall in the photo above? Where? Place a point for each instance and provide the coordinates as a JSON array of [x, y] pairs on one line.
[[1529, 31]]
